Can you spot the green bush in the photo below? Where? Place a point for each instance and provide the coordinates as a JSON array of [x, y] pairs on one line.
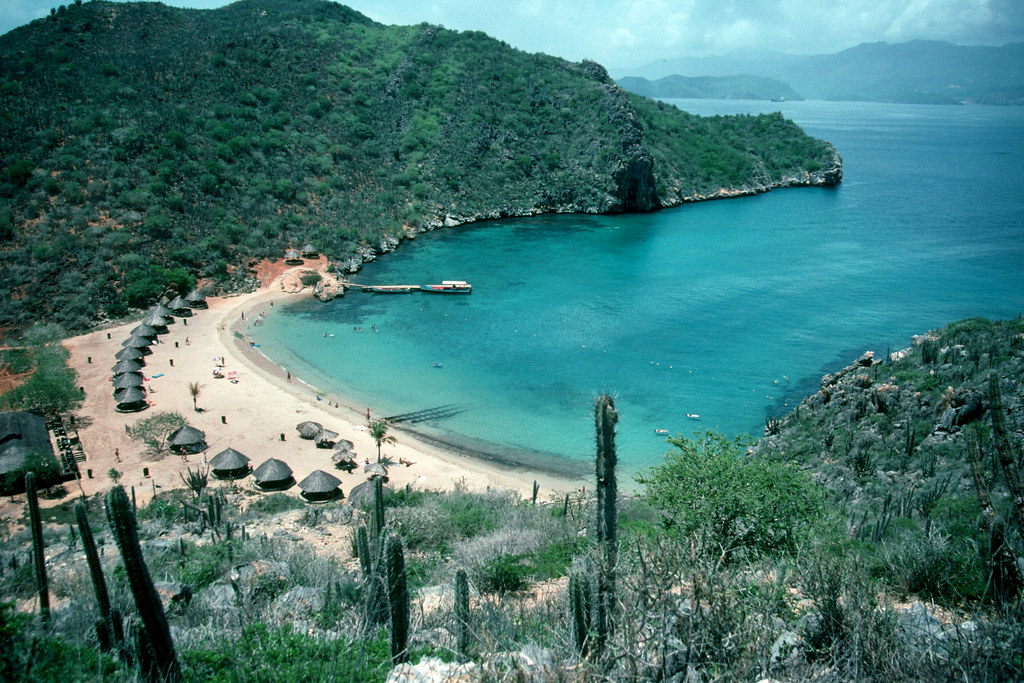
[[708, 486]]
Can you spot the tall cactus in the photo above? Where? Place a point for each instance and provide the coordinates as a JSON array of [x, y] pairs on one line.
[[157, 636], [363, 550], [378, 510], [605, 418], [110, 626], [38, 554], [579, 610], [462, 638], [398, 599], [1004, 449]]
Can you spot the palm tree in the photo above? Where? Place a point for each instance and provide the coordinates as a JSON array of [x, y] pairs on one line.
[[379, 432], [194, 388]]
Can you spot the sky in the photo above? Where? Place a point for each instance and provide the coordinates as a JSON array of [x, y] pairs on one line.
[[629, 33]]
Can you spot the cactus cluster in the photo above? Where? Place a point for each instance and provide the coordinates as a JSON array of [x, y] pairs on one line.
[[605, 418], [462, 635], [109, 628]]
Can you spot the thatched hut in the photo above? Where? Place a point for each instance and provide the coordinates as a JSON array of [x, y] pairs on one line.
[[179, 307], [195, 299], [320, 486], [140, 343], [130, 353], [309, 430], [157, 322], [230, 464], [128, 379], [309, 251], [131, 400], [187, 439], [273, 475], [123, 366], [293, 257], [361, 494], [144, 330], [163, 310]]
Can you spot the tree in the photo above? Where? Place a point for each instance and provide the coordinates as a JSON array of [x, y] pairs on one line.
[[707, 485], [113, 475], [154, 430], [194, 388], [379, 432], [53, 386]]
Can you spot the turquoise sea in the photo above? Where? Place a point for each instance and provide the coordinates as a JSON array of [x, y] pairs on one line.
[[730, 310]]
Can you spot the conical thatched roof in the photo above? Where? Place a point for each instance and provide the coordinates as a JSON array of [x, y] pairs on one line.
[[129, 353], [195, 299], [144, 330], [137, 342], [123, 366], [375, 469], [344, 446], [131, 395], [177, 302], [309, 249], [309, 430], [128, 379], [292, 255], [361, 495], [229, 459], [157, 321], [325, 439], [272, 470], [162, 310], [319, 481], [187, 436]]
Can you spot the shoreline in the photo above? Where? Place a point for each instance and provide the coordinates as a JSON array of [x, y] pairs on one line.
[[257, 414]]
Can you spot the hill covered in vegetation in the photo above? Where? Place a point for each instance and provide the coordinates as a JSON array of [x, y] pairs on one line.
[[741, 87], [145, 148]]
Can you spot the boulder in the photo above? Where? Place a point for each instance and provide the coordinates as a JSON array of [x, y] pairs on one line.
[[434, 670]]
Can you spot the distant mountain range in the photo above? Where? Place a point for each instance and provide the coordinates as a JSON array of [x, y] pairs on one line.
[[922, 72]]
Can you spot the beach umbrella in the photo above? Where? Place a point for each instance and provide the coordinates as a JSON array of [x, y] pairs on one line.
[[195, 299], [129, 353], [343, 461], [344, 446], [273, 474], [375, 469], [144, 330], [309, 430], [229, 464], [128, 379], [187, 439], [325, 439], [157, 322], [320, 485], [123, 366]]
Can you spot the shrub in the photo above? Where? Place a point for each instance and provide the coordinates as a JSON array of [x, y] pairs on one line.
[[707, 486]]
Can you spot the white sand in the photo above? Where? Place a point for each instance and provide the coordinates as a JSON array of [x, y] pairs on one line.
[[249, 415]]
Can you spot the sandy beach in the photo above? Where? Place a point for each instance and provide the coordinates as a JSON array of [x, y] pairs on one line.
[[252, 413]]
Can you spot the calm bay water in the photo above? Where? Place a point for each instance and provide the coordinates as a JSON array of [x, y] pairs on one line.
[[730, 310]]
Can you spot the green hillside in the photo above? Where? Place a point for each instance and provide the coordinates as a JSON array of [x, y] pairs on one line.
[[145, 148], [741, 87]]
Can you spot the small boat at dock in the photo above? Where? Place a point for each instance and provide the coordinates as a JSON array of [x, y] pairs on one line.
[[390, 289], [449, 287]]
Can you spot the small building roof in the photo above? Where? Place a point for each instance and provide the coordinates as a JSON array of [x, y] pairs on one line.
[[21, 433], [123, 366], [319, 481], [194, 296], [129, 353], [137, 342], [177, 303], [128, 379], [272, 470], [131, 395], [162, 310], [144, 330], [229, 459], [186, 436], [292, 254]]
